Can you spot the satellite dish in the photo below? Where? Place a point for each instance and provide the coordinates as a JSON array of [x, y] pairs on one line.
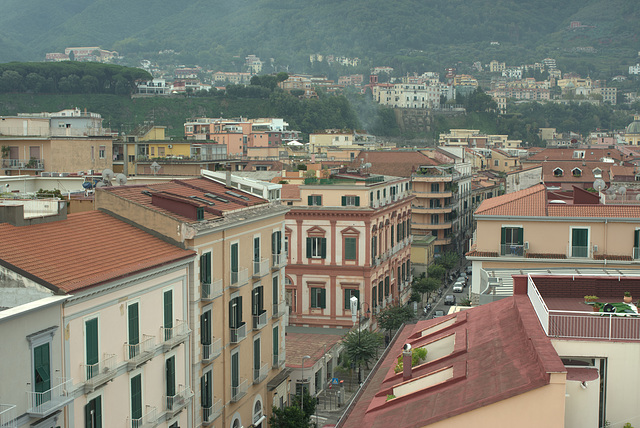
[[121, 179], [638, 197], [107, 174], [609, 308], [100, 184], [612, 196], [599, 184], [622, 190]]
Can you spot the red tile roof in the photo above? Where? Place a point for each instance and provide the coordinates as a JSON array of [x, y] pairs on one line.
[[567, 154], [394, 163], [184, 190], [567, 167], [500, 352], [86, 249], [290, 192], [301, 344], [527, 202]]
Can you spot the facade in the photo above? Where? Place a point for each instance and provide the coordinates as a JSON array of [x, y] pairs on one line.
[[523, 178], [347, 236], [529, 229], [236, 291], [154, 87]]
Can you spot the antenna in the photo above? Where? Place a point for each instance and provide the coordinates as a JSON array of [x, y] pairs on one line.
[[121, 179], [155, 167]]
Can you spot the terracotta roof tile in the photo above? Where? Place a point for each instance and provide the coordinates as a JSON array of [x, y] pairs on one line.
[[394, 163], [592, 154], [84, 250], [610, 211], [527, 202], [301, 344], [290, 192]]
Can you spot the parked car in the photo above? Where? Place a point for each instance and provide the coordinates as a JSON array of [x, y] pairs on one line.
[[449, 299], [458, 287], [463, 280], [438, 313], [468, 270]]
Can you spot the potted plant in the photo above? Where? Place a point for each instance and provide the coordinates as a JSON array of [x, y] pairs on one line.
[[627, 297], [596, 307], [589, 299]]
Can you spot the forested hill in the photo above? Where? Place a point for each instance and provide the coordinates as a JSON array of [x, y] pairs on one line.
[[426, 32]]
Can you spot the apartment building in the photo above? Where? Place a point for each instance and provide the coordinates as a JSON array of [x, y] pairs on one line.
[[79, 307], [236, 289], [534, 229], [347, 235]]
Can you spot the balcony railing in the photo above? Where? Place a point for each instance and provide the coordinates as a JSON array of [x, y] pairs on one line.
[[278, 310], [42, 404], [579, 251], [260, 374], [636, 253], [278, 360], [175, 335], [260, 320], [140, 352], [210, 414], [212, 351], [8, 416], [279, 260], [512, 250], [237, 392], [177, 402], [239, 278], [260, 267], [238, 333], [22, 163], [99, 373], [149, 419], [211, 290]]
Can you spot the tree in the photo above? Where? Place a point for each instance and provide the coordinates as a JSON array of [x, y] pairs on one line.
[[392, 317], [288, 417], [426, 285], [448, 260], [362, 347], [436, 271]]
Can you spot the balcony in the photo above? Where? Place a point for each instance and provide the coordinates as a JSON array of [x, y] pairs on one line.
[[148, 420], [42, 404], [239, 278], [212, 351], [260, 320], [428, 210], [512, 250], [279, 260], [8, 416], [99, 373], [237, 392], [579, 251], [432, 226], [278, 310], [239, 333], [30, 164], [211, 291], [139, 353], [176, 403], [174, 336], [210, 414], [278, 360], [260, 374], [260, 268], [433, 195]]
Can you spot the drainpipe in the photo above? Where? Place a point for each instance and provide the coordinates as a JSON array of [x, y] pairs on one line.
[[406, 362]]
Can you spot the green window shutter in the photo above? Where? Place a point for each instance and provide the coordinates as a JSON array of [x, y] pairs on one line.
[[374, 293], [168, 309], [205, 328], [42, 370], [134, 333], [234, 258], [386, 286], [580, 237], [323, 298], [274, 290], [235, 373], [344, 201], [323, 249], [136, 397], [309, 244], [91, 332], [347, 299], [170, 370], [93, 413], [503, 236], [256, 249], [314, 303], [256, 354], [203, 391], [357, 201], [205, 268], [357, 294], [520, 236], [276, 344], [636, 238], [350, 248], [309, 200]]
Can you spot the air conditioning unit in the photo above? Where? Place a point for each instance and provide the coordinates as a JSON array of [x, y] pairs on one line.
[[526, 245]]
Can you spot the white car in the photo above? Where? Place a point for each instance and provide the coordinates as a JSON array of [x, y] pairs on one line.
[[458, 287]]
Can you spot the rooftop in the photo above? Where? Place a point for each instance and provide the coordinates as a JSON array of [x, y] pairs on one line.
[[313, 344], [85, 250], [398, 163]]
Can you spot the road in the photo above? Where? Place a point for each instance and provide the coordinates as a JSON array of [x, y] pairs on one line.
[[439, 300]]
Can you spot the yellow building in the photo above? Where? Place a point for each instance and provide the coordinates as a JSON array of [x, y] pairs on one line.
[[632, 133], [502, 161], [422, 250]]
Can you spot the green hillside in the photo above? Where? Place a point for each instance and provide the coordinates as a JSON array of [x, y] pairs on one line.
[[407, 34]]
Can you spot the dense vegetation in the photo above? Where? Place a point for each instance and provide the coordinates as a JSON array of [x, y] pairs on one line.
[[409, 35], [69, 78]]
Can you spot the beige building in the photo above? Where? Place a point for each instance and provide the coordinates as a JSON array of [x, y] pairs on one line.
[[236, 290]]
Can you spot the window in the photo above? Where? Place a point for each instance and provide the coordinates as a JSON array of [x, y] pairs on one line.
[[91, 344], [351, 201], [206, 395], [256, 254], [170, 376], [348, 294], [350, 248], [93, 413], [380, 292], [205, 268], [435, 218], [558, 172], [168, 313], [256, 358], [136, 397], [235, 312], [511, 241], [434, 203], [579, 242], [199, 213], [275, 293], [205, 333], [316, 248], [235, 374], [102, 151], [134, 329], [576, 172], [234, 263], [257, 304], [314, 200], [42, 372], [318, 380], [276, 242], [318, 298], [276, 344], [496, 162], [374, 293], [636, 244], [374, 246], [386, 286]]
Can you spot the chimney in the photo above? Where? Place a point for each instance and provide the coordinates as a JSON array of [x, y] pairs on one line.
[[228, 176], [406, 362]]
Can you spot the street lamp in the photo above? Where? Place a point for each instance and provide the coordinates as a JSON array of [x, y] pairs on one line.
[[355, 309], [306, 357]]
